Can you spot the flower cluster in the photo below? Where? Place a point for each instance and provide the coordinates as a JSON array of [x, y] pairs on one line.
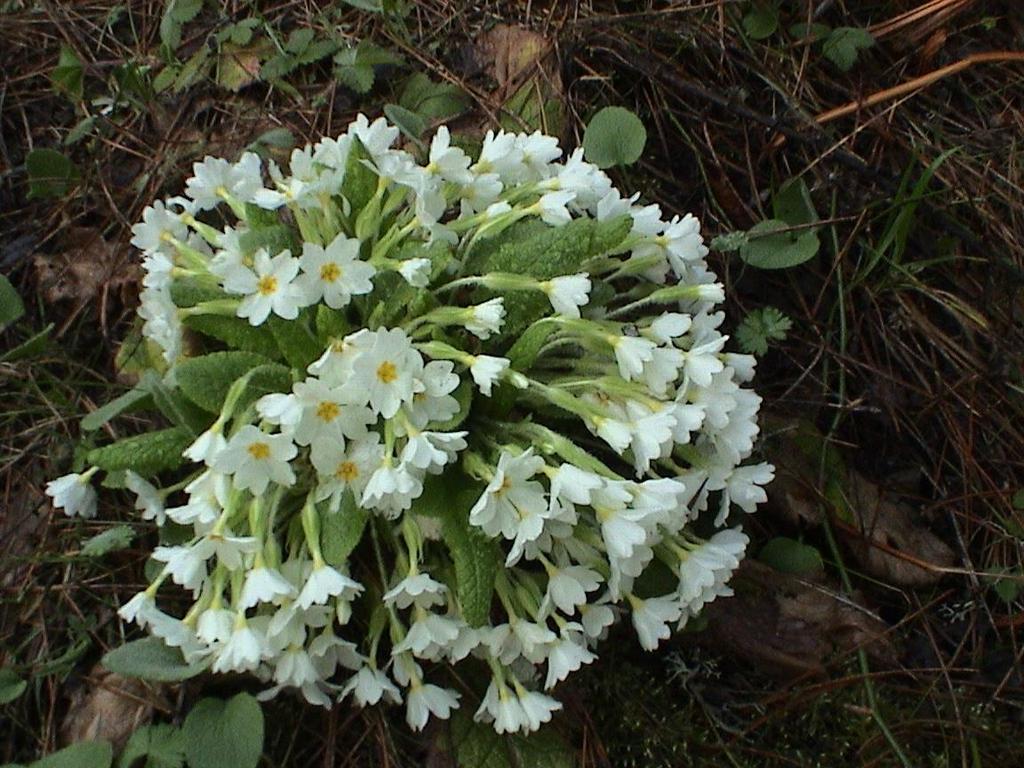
[[473, 409]]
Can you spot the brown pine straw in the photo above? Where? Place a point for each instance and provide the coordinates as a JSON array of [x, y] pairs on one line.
[[923, 11], [988, 57]]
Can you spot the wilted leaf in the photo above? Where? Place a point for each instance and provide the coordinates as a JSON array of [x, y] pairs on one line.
[[108, 708], [787, 627], [239, 65]]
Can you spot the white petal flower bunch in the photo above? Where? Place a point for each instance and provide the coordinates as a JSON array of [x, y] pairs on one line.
[[430, 410]]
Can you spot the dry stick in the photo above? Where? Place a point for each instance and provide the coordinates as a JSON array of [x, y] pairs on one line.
[[919, 82]]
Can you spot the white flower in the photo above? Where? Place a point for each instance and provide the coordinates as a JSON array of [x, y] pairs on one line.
[[651, 618], [510, 495], [157, 228], [148, 499], [486, 369], [567, 293], [73, 494], [270, 288], [335, 273], [140, 609], [431, 451], [538, 152], [499, 154], [340, 467], [565, 656], [162, 323], [486, 319], [264, 585], [426, 700], [744, 489], [255, 458], [208, 445], [215, 625], [448, 162], [428, 636], [551, 207], [669, 326], [377, 137], [214, 179], [207, 496], [631, 352], [501, 707], [387, 372], [329, 414], [537, 708], [243, 651], [369, 685], [417, 589], [324, 583], [568, 586], [416, 271], [392, 489]]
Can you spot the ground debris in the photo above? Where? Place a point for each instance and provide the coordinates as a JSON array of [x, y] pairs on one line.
[[789, 627], [108, 707]]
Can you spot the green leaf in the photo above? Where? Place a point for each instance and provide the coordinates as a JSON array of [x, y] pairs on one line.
[[789, 556], [761, 22], [614, 136], [769, 248], [236, 332], [224, 734], [761, 326], [11, 306], [1018, 499], [299, 40], [548, 252], [730, 241], [843, 45], [527, 346], [28, 348], [274, 238], [67, 76], [84, 754], [476, 557], [295, 340], [360, 182], [147, 454], [150, 659], [478, 745], [432, 101], [50, 174], [111, 540], [1007, 590], [354, 66], [115, 407], [193, 70], [178, 409], [206, 380], [330, 324], [792, 203], [163, 746], [341, 531], [80, 130], [11, 686], [177, 13], [408, 122]]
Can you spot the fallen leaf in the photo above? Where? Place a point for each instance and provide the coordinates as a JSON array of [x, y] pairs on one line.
[[886, 537], [110, 709], [788, 627], [529, 85]]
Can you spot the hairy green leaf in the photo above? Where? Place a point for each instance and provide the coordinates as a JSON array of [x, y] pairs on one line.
[[206, 380], [341, 531], [147, 454], [150, 659]]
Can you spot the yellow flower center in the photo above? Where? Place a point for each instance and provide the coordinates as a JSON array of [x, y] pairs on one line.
[[330, 272], [387, 372], [327, 411], [267, 285], [506, 483], [259, 450], [347, 471]]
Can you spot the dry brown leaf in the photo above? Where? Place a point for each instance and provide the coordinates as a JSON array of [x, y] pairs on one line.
[[788, 627], [513, 53], [109, 710], [885, 536], [90, 267]]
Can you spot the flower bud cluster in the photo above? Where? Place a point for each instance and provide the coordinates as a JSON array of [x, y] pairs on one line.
[[420, 431]]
